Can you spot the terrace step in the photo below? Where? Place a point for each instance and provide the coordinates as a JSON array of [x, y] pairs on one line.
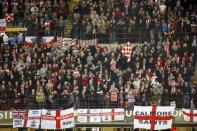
[[68, 26]]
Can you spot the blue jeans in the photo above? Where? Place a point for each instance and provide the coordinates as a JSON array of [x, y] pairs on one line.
[[185, 101]]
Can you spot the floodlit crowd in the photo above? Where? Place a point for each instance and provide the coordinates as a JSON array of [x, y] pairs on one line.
[[41, 17], [134, 20], [159, 71]]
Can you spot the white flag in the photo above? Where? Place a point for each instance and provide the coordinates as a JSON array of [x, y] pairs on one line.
[[95, 115], [190, 115], [67, 118], [33, 120], [82, 115], [89, 115], [57, 119], [153, 117], [116, 114], [19, 118]]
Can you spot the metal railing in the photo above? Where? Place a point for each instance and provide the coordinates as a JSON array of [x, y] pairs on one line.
[[110, 35], [95, 102]]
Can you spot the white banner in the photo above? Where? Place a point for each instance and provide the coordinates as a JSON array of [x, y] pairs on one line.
[[33, 120], [89, 115], [95, 115], [116, 114], [2, 25], [86, 43], [153, 117], [57, 119], [82, 115], [190, 115]]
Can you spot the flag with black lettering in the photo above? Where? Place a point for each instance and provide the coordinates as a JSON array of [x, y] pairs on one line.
[[153, 117]]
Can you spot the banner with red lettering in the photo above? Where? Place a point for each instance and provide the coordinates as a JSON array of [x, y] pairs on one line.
[[2, 25], [89, 115], [153, 117], [115, 114], [26, 118], [57, 119], [190, 115], [33, 119]]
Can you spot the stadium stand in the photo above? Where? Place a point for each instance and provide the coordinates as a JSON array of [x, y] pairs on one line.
[[157, 72]]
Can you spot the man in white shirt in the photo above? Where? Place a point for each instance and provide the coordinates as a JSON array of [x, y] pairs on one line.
[[162, 8], [5, 38]]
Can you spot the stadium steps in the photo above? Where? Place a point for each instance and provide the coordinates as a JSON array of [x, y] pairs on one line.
[[195, 74], [68, 28]]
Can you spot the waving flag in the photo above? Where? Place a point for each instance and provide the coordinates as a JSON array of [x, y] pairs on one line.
[[47, 40], [153, 117], [116, 114], [30, 40], [89, 115], [57, 119], [127, 50], [2, 25], [190, 115]]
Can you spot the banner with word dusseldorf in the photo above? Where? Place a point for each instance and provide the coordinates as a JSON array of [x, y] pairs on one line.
[[153, 117]]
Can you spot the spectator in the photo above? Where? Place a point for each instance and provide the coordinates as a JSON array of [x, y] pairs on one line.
[[40, 98], [159, 71]]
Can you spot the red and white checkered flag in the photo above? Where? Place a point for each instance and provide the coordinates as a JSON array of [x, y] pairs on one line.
[[127, 50], [60, 42], [73, 42], [9, 17]]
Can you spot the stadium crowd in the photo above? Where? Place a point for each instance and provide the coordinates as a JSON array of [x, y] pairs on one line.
[[41, 17], [134, 20], [157, 72]]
